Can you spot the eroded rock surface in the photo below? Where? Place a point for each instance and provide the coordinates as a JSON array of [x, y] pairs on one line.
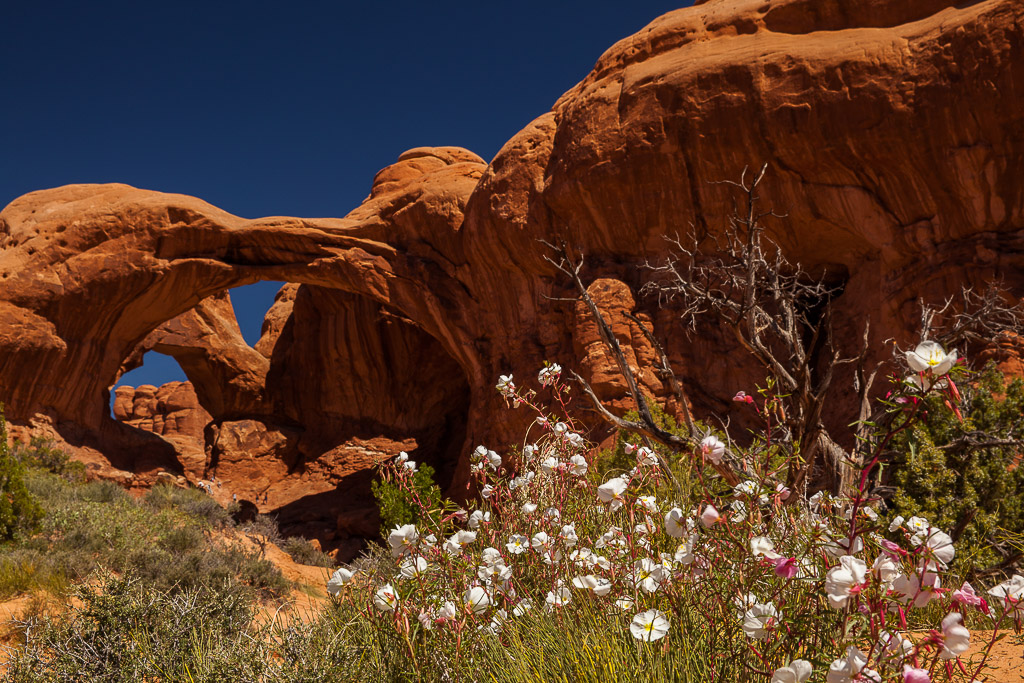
[[894, 144]]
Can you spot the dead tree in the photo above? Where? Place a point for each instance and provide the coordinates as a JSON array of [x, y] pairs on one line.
[[646, 426], [778, 314]]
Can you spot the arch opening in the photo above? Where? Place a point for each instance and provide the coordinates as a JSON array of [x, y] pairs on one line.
[[293, 421]]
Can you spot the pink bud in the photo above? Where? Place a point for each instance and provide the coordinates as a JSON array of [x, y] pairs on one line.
[[785, 567], [710, 516]]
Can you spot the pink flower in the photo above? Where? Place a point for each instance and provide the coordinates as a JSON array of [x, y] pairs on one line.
[[912, 675], [786, 567], [710, 516], [966, 595], [741, 397]]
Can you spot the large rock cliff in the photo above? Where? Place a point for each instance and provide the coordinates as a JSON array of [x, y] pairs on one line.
[[895, 145]]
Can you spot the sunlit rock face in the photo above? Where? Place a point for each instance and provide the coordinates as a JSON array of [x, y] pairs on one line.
[[894, 147]]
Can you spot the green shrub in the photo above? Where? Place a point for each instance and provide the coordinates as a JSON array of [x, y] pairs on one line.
[[41, 452], [397, 507], [19, 511], [304, 552], [967, 476]]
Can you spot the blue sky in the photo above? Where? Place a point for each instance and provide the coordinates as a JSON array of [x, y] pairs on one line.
[[278, 108]]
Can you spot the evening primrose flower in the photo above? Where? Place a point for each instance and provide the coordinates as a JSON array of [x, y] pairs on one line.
[[599, 585], [762, 545], [457, 541], [710, 516], [645, 456], [649, 626], [506, 386], [1011, 592], [549, 374], [955, 638], [932, 358], [559, 597], [673, 526], [385, 598], [921, 588], [518, 544], [914, 675], [797, 671], [611, 492], [338, 579], [844, 670], [648, 574], [478, 517], [578, 465], [476, 600], [843, 580], [412, 567], [712, 448], [760, 619], [403, 539]]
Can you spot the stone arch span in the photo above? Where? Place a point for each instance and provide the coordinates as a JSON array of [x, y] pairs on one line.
[[105, 268]]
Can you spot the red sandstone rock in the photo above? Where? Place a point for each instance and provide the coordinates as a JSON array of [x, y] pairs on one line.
[[892, 133]]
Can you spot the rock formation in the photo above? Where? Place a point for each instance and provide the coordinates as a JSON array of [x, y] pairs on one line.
[[895, 147]]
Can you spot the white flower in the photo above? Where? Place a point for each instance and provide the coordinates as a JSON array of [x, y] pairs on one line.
[[843, 670], [894, 645], [458, 540], [941, 546], [650, 503], [611, 492], [918, 526], [597, 584], [522, 608], [575, 440], [477, 517], [684, 551], [712, 448], [476, 600], [412, 567], [409, 465], [505, 386], [403, 539], [558, 597], [919, 588], [955, 638], [649, 626], [578, 465], [624, 604], [797, 671], [541, 542], [760, 619], [1011, 592], [896, 523], [568, 535], [762, 545], [886, 570], [385, 599], [549, 374], [841, 581], [930, 357], [549, 465], [401, 458], [648, 574], [645, 456], [529, 508], [486, 491], [518, 544], [338, 579], [710, 516], [672, 523]]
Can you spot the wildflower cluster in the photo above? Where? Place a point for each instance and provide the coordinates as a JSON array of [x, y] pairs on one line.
[[782, 587]]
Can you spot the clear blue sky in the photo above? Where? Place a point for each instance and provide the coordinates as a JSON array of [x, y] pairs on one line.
[[278, 108]]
